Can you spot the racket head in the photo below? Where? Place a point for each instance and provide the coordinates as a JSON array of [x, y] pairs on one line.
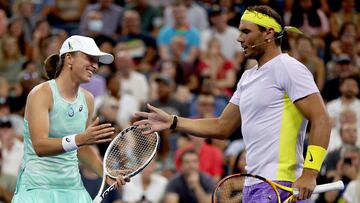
[[130, 152], [233, 188]]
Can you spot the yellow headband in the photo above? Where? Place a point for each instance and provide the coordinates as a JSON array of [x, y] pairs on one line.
[[261, 19]]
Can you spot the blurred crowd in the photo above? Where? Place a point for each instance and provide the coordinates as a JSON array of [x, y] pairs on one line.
[[182, 56]]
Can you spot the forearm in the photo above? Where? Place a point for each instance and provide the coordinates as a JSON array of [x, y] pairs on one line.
[[91, 159], [48, 146], [207, 128], [320, 132]]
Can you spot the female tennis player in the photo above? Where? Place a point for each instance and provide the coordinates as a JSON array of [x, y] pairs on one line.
[[58, 128]]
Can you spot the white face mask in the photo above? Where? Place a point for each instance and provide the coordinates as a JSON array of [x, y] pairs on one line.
[[95, 25]]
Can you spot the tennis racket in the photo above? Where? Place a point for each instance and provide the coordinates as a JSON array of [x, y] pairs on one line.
[[232, 188], [127, 154]]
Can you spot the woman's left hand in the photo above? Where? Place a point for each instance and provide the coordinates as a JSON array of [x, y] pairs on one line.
[[120, 181]]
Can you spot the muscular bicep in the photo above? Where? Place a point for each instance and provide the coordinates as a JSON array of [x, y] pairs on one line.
[[230, 119], [311, 107]]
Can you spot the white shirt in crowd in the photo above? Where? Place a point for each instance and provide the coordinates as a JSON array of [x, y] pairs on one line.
[[137, 86], [134, 191], [228, 41]]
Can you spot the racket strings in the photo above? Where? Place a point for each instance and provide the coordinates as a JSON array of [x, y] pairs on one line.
[[130, 152], [238, 188]]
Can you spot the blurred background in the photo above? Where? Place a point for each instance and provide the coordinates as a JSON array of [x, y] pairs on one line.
[[182, 56]]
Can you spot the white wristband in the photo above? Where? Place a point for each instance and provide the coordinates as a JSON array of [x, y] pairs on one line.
[[68, 143]]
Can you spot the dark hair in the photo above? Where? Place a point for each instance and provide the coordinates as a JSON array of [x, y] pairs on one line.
[[344, 26], [272, 13], [297, 18], [350, 77], [189, 151], [53, 65]]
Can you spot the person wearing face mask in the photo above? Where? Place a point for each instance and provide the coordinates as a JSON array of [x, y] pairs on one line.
[[96, 16]]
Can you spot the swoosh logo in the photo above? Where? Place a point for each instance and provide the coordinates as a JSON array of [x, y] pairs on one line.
[[311, 157]]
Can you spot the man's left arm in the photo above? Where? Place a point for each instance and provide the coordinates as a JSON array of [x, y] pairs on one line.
[[313, 108]]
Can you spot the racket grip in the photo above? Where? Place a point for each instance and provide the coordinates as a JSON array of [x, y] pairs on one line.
[[99, 198], [338, 185]]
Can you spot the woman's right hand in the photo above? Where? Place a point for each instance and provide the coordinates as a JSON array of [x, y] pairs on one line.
[[95, 134]]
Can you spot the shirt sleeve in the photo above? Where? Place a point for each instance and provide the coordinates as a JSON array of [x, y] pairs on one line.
[[296, 80]]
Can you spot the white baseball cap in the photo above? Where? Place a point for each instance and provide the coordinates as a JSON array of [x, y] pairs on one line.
[[86, 45]]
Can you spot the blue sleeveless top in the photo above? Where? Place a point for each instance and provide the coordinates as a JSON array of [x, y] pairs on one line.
[[58, 171]]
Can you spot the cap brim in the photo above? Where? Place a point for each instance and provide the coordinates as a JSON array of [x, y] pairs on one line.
[[104, 58]]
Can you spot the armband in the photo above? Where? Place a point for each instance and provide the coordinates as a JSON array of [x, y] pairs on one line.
[[174, 123], [314, 157], [69, 144]]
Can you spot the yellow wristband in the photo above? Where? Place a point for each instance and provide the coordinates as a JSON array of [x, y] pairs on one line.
[[314, 157]]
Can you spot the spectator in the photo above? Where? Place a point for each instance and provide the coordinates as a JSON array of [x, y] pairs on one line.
[[308, 18], [190, 185], [346, 42], [66, 14], [12, 148], [347, 170], [16, 29], [196, 15], [306, 54], [133, 82], [7, 183], [103, 17], [126, 104], [343, 68], [151, 19], [142, 46], [11, 59], [226, 34], [349, 137], [3, 23], [146, 187], [349, 89], [218, 68], [351, 194], [346, 14], [180, 30], [42, 31], [24, 10], [176, 73], [210, 157], [166, 100]]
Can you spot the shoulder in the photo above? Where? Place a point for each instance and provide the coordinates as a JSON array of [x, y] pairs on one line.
[[88, 96], [289, 64], [40, 95], [42, 90]]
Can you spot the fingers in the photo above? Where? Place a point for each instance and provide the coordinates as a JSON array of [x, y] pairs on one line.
[[141, 123], [142, 114], [302, 193], [95, 122]]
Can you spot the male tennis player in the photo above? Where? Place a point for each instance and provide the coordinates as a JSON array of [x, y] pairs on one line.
[[58, 128], [273, 102]]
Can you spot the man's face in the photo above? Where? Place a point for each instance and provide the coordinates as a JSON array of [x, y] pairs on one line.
[[349, 133], [349, 88], [190, 163], [250, 35]]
